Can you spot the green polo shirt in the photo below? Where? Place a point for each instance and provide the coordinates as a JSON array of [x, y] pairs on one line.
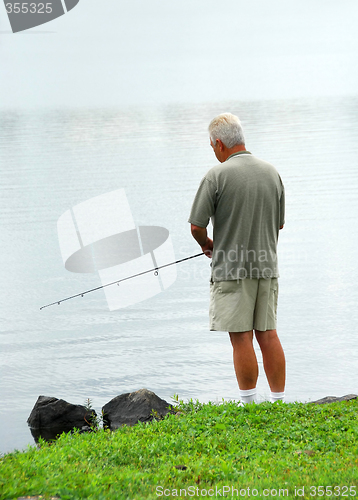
[[244, 198]]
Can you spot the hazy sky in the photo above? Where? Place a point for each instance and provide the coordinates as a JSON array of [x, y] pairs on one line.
[[114, 53]]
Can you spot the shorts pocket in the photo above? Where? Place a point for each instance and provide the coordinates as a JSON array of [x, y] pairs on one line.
[[274, 285], [273, 299]]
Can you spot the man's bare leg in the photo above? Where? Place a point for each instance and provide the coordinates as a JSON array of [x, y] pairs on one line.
[[245, 361], [273, 359]]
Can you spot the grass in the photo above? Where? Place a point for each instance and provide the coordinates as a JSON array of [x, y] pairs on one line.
[[273, 449]]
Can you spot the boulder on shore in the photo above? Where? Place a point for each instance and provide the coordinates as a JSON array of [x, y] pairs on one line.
[[334, 399], [134, 407], [51, 417]]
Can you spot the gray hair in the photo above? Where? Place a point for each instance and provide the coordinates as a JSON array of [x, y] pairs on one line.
[[228, 129]]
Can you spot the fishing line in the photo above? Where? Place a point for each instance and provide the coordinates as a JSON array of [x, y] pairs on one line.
[[155, 270]]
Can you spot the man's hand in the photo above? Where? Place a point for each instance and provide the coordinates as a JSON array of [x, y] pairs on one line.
[[201, 236], [208, 248]]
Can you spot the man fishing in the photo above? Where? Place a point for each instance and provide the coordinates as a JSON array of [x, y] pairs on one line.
[[244, 198]]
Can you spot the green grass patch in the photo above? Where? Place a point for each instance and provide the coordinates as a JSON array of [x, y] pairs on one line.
[[204, 448]]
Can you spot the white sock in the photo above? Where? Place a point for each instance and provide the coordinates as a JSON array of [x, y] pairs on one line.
[[277, 396], [248, 396]]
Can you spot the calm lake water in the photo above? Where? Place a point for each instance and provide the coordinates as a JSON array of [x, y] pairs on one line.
[[51, 161]]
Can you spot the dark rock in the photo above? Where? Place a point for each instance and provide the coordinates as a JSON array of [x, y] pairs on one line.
[[333, 399], [134, 407], [51, 417]]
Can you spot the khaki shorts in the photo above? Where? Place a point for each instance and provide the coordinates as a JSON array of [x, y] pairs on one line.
[[244, 305]]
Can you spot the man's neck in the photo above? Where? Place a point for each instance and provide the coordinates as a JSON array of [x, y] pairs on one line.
[[230, 151]]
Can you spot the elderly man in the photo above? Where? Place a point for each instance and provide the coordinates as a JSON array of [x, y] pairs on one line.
[[244, 197]]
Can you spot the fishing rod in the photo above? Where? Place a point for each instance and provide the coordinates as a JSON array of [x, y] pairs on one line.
[[155, 270]]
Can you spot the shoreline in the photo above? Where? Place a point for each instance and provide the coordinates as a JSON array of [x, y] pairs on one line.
[[268, 445], [324, 400]]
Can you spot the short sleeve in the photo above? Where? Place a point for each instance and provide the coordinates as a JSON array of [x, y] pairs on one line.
[[204, 204], [282, 206]]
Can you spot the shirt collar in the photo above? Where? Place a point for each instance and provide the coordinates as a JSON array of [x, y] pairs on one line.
[[238, 153]]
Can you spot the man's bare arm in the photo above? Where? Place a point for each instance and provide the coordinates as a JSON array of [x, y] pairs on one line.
[[200, 234]]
